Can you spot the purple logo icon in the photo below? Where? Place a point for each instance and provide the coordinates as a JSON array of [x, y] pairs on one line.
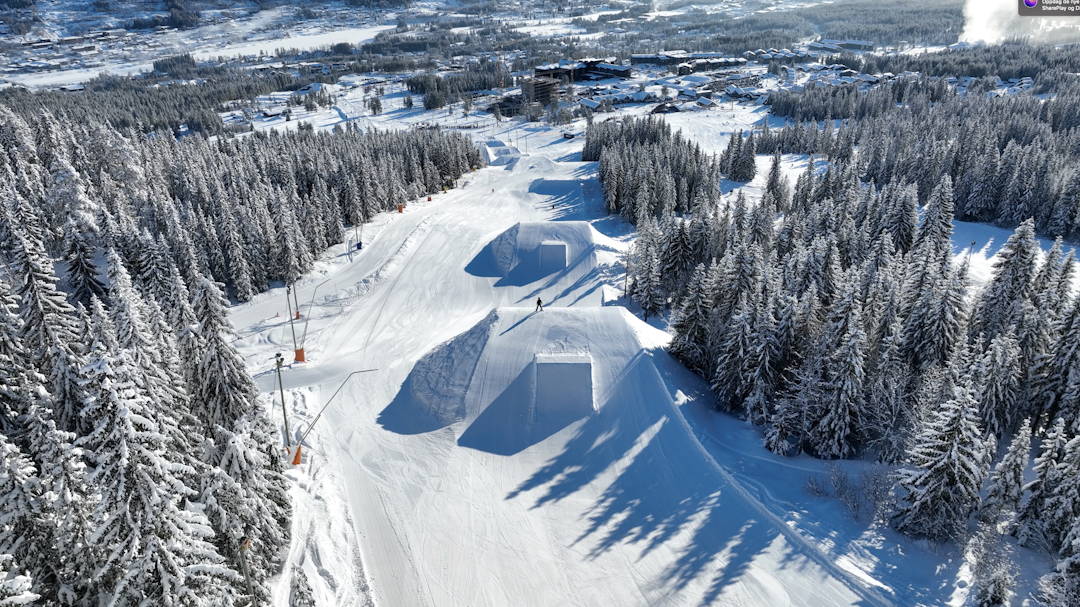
[[1031, 3]]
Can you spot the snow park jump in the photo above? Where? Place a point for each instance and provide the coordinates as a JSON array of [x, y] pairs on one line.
[[512, 456]]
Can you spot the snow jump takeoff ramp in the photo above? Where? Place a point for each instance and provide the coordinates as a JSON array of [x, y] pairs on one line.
[[544, 461], [553, 260]]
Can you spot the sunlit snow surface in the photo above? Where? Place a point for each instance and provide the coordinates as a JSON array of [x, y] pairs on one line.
[[447, 478], [462, 488]]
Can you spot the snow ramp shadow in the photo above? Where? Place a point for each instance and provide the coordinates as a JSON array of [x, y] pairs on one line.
[[553, 260], [516, 378], [433, 395]]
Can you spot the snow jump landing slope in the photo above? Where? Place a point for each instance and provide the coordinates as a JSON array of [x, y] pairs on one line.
[[616, 503]]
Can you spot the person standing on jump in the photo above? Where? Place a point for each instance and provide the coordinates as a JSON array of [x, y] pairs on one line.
[[539, 305]]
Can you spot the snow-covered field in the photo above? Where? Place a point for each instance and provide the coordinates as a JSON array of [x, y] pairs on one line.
[[453, 476], [352, 35]]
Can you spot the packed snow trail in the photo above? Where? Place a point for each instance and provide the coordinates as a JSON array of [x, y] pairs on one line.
[[466, 485]]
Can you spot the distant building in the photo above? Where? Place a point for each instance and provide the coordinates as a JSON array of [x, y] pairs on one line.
[[714, 60], [584, 69], [610, 69], [850, 45], [540, 90]]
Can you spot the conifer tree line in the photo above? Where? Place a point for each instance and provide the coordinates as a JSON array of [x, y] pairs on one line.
[[135, 455], [242, 212], [438, 90], [1009, 158], [832, 316], [135, 103], [648, 170]]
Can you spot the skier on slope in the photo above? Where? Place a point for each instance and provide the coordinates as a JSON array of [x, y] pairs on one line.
[[539, 305]]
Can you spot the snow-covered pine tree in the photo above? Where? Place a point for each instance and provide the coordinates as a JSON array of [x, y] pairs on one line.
[[66, 198], [1031, 528], [1050, 382], [932, 245], [14, 364], [300, 594], [14, 586], [1007, 480], [246, 494], [81, 271], [139, 334], [17, 141], [24, 532], [177, 306], [793, 413], [155, 267], [148, 546], [675, 255], [1062, 507], [777, 184], [744, 168], [889, 414], [733, 373], [47, 316], [950, 460], [934, 326], [690, 325], [226, 391], [1002, 299], [992, 569], [64, 506], [1061, 588], [999, 391], [731, 153], [836, 433], [239, 270]]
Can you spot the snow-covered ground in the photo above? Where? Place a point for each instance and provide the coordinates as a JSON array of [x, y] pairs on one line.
[[499, 455], [352, 35], [452, 476], [262, 32]]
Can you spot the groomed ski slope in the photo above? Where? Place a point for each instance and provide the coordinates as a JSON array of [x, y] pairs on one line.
[[452, 475]]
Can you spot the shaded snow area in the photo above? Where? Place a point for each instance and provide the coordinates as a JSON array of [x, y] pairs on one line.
[[502, 455]]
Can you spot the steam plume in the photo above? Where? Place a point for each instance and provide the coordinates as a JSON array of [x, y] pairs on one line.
[[992, 21]]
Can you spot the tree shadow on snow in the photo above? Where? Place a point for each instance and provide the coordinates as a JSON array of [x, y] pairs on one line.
[[560, 192], [667, 494]]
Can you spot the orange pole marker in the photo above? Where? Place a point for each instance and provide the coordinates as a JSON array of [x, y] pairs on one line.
[[400, 208], [300, 355], [296, 458]]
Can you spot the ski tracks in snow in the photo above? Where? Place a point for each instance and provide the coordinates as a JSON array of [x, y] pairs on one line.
[[341, 329], [768, 508], [324, 545]]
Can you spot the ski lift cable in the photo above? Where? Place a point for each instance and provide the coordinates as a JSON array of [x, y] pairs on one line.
[[303, 436], [303, 338]]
